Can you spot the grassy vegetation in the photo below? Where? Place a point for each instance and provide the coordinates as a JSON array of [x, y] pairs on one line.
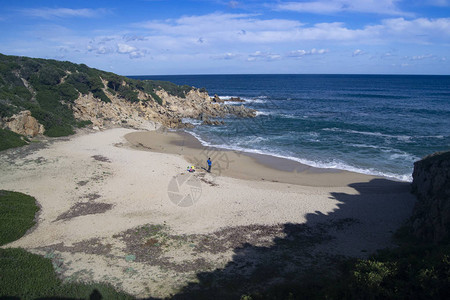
[[414, 270], [30, 276], [9, 139], [48, 88], [17, 212]]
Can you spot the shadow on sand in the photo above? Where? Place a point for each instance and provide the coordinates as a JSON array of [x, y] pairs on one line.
[[363, 222]]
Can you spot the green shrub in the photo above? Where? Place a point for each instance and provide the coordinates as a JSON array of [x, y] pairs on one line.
[[169, 87], [83, 123], [68, 92], [17, 212], [57, 123], [9, 139], [98, 93], [48, 99], [7, 110], [50, 75], [80, 81], [58, 131], [114, 82], [128, 93], [29, 67], [156, 98]]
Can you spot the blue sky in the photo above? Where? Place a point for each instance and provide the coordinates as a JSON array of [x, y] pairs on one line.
[[164, 37]]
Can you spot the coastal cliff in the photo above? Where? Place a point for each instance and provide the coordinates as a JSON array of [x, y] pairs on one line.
[[54, 97], [431, 185]]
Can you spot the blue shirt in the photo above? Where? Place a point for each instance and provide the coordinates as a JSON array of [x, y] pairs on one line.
[[209, 162]]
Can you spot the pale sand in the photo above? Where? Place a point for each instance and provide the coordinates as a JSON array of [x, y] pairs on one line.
[[100, 173]]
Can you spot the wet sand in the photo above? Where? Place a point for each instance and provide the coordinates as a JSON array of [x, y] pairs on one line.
[[241, 165]]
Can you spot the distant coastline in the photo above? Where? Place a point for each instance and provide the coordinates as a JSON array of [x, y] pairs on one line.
[[371, 124]]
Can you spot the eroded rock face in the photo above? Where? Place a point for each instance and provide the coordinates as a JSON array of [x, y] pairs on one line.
[[431, 184], [146, 113], [25, 124]]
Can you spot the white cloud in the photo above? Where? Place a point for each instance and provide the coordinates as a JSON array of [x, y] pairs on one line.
[[48, 13], [225, 56], [132, 51], [416, 31], [266, 56], [225, 27], [422, 57], [137, 54], [221, 30], [301, 53], [387, 7], [358, 52], [124, 48]]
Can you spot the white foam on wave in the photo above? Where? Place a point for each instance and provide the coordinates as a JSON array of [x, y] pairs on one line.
[[397, 154], [260, 99], [263, 113], [191, 121], [404, 138], [334, 164]]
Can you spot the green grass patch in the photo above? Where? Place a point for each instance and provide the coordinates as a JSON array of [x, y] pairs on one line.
[[30, 276], [9, 139], [17, 212]]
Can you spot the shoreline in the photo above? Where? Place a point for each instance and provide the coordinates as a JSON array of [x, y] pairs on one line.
[[242, 165], [106, 208]]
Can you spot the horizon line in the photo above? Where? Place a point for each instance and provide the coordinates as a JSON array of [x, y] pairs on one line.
[[307, 74]]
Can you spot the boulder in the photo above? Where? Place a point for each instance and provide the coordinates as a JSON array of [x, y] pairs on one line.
[[25, 124], [217, 99], [431, 185]]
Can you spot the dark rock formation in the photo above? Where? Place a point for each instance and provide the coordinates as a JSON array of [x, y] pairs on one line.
[[431, 184], [212, 122], [216, 99]]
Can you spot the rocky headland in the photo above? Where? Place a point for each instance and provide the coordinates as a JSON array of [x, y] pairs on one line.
[[431, 185], [39, 96]]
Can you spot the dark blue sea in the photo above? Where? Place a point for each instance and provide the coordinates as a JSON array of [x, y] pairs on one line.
[[371, 124]]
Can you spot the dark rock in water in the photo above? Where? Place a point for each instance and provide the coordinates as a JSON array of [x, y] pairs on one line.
[[236, 99], [431, 185], [240, 111], [217, 99], [215, 122], [207, 121]]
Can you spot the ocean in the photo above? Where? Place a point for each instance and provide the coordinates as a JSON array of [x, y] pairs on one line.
[[370, 124]]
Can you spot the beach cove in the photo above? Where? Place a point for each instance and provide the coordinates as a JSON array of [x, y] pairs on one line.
[[107, 213]]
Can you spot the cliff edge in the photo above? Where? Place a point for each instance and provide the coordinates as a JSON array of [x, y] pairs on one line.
[[42, 96], [431, 185]]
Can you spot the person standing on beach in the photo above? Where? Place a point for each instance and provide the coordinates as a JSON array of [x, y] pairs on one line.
[[209, 164]]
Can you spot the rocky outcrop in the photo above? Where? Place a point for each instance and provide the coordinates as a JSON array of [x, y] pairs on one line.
[[118, 112], [217, 99], [24, 123], [431, 184], [145, 113], [212, 122]]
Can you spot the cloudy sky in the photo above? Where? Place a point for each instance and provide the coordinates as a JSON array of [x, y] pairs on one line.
[[159, 37]]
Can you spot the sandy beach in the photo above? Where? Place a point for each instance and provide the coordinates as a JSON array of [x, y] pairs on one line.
[[118, 206]]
